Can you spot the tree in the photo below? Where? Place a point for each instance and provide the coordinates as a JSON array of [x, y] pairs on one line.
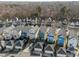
[[38, 9], [64, 11], [34, 15], [6, 16]]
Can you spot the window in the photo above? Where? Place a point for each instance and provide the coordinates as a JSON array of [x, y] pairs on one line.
[[18, 43], [8, 43]]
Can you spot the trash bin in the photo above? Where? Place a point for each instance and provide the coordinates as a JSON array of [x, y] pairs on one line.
[[50, 38], [60, 41]]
